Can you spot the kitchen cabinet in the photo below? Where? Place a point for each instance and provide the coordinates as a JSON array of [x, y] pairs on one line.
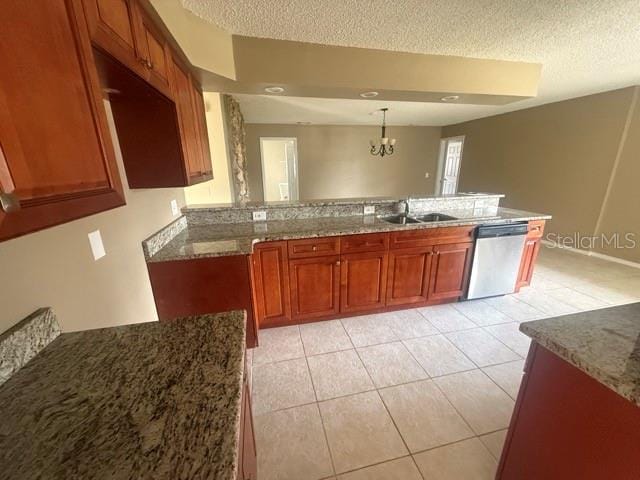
[[315, 287], [408, 276], [157, 103], [57, 161], [271, 283], [358, 273], [532, 245], [198, 286], [566, 425], [363, 281], [449, 271], [247, 456], [114, 25]]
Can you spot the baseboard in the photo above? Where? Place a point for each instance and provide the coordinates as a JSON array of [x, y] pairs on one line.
[[590, 253]]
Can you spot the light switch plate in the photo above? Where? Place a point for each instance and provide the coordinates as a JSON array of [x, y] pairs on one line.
[[427, 175], [369, 209], [174, 208], [259, 216], [97, 247]]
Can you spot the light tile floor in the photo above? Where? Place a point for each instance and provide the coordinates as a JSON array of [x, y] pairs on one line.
[[425, 393]]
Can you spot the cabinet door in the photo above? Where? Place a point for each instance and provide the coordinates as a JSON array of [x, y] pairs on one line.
[[408, 277], [363, 281], [203, 133], [315, 287], [56, 157], [114, 25], [155, 53], [449, 271], [271, 284], [182, 94], [529, 255]]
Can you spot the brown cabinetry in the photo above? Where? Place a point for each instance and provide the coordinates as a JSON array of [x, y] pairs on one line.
[[530, 253], [408, 276], [247, 456], [363, 281], [449, 271], [157, 103], [271, 283], [315, 287], [358, 273], [56, 157]]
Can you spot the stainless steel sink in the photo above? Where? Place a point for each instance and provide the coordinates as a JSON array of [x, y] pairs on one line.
[[430, 217], [435, 217], [400, 219]]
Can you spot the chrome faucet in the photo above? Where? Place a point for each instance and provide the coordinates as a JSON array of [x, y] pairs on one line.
[[406, 206]]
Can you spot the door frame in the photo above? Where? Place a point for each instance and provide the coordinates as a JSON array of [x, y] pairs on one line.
[[295, 166], [441, 159]]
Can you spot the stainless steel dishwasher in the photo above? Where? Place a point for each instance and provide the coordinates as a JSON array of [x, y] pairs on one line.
[[496, 260]]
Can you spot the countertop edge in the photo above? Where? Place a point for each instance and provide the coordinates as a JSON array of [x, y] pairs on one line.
[[592, 371]]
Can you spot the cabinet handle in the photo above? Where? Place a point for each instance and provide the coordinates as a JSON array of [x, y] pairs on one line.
[[338, 263], [9, 202], [149, 64]]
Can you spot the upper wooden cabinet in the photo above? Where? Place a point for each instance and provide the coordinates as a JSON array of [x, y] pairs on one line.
[[157, 103], [57, 161]]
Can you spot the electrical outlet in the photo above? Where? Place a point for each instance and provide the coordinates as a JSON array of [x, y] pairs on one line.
[[259, 216], [174, 208], [369, 209], [97, 247]]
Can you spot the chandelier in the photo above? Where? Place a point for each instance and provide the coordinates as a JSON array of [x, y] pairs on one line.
[[383, 146]]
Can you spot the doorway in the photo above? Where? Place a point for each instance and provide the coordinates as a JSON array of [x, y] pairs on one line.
[[279, 156], [449, 163]]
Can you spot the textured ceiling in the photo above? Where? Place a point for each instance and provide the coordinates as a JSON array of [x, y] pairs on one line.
[[585, 46]]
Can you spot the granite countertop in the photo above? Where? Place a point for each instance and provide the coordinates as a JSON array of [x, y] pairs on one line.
[[604, 343], [196, 241], [151, 400]]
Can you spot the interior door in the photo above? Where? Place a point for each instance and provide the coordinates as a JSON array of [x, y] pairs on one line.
[[449, 165], [279, 168], [315, 286]]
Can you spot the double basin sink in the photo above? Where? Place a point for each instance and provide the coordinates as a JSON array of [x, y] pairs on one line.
[[430, 217]]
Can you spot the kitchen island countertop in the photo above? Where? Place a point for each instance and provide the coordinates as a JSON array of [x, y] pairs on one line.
[[150, 400], [605, 344]]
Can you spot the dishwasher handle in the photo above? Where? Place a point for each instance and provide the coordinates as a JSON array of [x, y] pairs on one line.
[[502, 230]]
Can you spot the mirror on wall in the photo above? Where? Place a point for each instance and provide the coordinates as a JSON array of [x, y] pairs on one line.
[[308, 148]]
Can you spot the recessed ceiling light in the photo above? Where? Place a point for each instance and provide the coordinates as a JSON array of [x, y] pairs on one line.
[[450, 98], [274, 89], [369, 94]]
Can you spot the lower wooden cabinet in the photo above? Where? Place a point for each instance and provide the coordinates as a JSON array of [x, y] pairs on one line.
[[296, 281], [363, 281], [247, 456], [408, 276], [530, 253], [449, 270], [315, 287], [271, 283]]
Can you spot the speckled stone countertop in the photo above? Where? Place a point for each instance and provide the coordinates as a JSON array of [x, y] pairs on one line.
[[151, 400], [196, 241], [604, 343]]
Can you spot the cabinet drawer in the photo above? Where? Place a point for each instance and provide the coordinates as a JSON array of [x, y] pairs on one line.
[[314, 247], [370, 242], [431, 236], [536, 228]]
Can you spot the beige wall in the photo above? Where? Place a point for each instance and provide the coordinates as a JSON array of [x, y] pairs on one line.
[[54, 267], [217, 190], [557, 158], [334, 160], [621, 210]]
